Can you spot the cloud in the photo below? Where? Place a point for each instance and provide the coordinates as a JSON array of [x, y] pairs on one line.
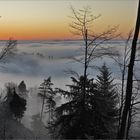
[[48, 59], [39, 59]]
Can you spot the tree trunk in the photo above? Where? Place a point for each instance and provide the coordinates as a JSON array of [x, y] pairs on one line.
[[42, 108], [85, 71], [129, 86]]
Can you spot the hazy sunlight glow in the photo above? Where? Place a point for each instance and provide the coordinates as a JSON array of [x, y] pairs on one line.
[[48, 19]]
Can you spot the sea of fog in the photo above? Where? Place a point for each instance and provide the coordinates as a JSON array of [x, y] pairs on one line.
[[33, 61]]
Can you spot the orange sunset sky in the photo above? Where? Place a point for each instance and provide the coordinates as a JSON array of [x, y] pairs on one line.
[[48, 19]]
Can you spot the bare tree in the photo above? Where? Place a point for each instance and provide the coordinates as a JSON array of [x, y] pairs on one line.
[[122, 60], [82, 24], [129, 86]]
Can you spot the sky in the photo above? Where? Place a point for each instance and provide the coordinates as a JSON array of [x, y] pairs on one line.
[[49, 19]]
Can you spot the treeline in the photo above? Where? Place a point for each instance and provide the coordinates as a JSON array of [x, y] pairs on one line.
[[12, 108], [95, 117], [92, 108]]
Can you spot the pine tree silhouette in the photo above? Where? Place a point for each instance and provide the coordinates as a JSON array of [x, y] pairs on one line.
[[107, 106], [97, 118], [17, 106]]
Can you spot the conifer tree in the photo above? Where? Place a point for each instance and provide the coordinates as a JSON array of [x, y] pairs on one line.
[[17, 105], [107, 107], [71, 120], [22, 87], [47, 94], [99, 115]]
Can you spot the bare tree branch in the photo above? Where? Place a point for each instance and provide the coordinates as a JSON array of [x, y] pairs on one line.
[[10, 46]]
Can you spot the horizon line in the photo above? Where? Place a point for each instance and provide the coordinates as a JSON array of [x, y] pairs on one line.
[[117, 39]]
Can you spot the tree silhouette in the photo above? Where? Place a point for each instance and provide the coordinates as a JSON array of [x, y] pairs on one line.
[[107, 107], [8, 49], [97, 119], [47, 94], [81, 25], [17, 106], [129, 86], [22, 87], [70, 120], [76, 118]]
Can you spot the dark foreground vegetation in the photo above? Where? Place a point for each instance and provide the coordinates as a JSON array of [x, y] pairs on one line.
[[92, 107]]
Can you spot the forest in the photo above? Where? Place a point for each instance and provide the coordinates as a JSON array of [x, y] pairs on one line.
[[88, 107]]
